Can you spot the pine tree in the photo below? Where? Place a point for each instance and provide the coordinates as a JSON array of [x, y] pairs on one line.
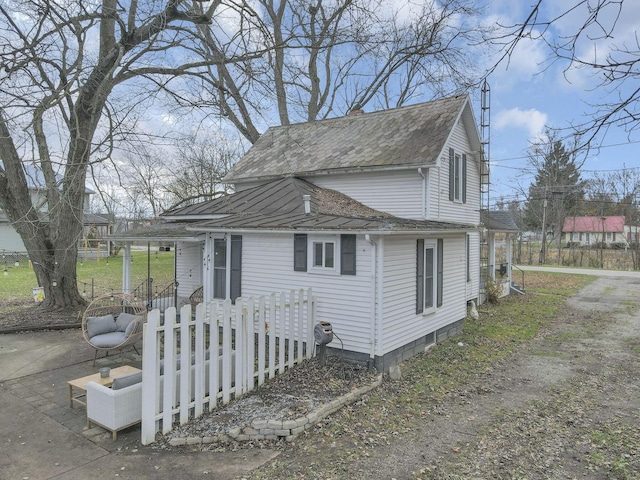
[[557, 184]]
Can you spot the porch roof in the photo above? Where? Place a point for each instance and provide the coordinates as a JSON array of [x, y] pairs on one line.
[[163, 232], [498, 221], [280, 205]]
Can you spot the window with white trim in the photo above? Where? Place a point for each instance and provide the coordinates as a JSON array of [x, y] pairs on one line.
[[457, 176], [324, 253], [429, 275], [227, 281]]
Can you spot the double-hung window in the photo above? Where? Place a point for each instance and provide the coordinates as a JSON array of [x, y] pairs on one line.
[[227, 279], [324, 253], [457, 176], [429, 275]]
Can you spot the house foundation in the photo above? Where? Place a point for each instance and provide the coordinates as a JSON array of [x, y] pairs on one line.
[[383, 363]]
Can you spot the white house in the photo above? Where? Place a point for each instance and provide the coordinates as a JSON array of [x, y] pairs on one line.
[[11, 244], [378, 212]]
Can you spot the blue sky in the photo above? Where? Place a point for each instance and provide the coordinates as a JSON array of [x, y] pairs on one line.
[[529, 94]]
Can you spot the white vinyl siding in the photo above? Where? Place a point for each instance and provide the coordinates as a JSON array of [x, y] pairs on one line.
[[440, 207], [473, 286], [343, 300], [401, 323], [397, 192], [10, 240], [188, 267]]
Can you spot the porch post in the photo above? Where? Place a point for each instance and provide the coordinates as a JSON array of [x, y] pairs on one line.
[[492, 255], [509, 239], [207, 274], [126, 268]]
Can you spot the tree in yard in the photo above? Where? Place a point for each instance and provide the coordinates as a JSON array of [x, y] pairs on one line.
[[617, 193], [202, 167], [77, 79], [324, 58], [596, 37], [557, 189], [62, 107], [151, 182]]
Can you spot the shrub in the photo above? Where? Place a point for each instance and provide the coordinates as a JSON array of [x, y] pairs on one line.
[[493, 291]]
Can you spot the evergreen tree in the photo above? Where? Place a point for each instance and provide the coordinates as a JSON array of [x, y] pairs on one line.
[[557, 184]]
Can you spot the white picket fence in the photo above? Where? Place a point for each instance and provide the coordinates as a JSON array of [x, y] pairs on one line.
[[250, 342]]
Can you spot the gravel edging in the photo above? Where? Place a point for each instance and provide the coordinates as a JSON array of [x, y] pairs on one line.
[[265, 429]]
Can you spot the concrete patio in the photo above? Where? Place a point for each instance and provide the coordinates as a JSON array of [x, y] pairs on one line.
[[43, 438]]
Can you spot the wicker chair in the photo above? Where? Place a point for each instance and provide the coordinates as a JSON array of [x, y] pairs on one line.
[[196, 297], [113, 322]]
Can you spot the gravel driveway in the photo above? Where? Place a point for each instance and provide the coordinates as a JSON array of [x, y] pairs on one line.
[[564, 406]]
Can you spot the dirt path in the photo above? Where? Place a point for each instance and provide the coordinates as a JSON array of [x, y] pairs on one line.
[[545, 411], [567, 405]]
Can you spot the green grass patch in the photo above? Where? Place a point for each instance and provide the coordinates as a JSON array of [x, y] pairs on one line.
[[97, 277], [616, 450]]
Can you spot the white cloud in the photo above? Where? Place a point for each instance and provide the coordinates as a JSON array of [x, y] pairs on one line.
[[531, 120]]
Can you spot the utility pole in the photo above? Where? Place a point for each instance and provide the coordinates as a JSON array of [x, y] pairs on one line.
[[543, 249]]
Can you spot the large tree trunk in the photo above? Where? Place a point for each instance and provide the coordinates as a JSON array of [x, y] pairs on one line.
[[72, 92]]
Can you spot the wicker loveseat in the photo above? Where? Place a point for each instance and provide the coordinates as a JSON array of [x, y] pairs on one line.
[[118, 407], [113, 322]]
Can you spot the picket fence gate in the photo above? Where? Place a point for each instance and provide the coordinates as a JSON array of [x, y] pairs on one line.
[[250, 342]]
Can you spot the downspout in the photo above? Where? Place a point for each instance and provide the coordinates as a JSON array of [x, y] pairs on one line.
[[424, 193], [374, 298]]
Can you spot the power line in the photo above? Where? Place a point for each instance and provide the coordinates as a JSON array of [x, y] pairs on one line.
[[525, 157]]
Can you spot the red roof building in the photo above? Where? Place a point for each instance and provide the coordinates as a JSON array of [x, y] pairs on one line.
[[591, 230]]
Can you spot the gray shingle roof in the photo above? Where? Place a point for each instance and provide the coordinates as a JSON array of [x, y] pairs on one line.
[[498, 221], [406, 136]]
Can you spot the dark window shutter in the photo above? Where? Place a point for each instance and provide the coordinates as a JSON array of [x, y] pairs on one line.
[[452, 178], [236, 267], [300, 252], [464, 178], [420, 276], [348, 254], [440, 268]]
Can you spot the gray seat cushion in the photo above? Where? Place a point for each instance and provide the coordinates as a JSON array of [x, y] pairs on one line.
[[107, 340], [123, 320], [100, 325], [133, 325], [126, 381]]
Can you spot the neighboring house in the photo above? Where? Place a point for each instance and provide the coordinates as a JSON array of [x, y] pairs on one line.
[[585, 231], [378, 212], [10, 241]]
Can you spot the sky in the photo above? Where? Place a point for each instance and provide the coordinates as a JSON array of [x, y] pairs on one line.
[[528, 95]]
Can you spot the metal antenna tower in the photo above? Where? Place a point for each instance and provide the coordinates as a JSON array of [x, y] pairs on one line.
[[485, 133]]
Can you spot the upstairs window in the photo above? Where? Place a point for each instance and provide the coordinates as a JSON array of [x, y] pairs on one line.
[[457, 177]]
